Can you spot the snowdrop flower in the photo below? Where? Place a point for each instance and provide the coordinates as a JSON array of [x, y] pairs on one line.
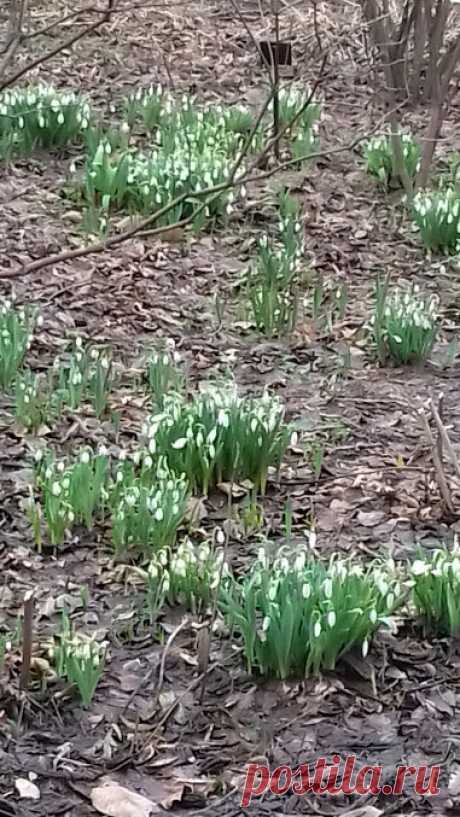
[[220, 539], [306, 591], [299, 563], [180, 443], [331, 618], [266, 623], [327, 587], [317, 629], [56, 489], [420, 568]]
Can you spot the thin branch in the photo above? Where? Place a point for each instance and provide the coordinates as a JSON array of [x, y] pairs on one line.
[[27, 638], [438, 467], [444, 437]]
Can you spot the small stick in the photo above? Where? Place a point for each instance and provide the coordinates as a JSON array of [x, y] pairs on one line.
[[27, 635], [168, 644], [444, 436], [440, 476], [441, 419]]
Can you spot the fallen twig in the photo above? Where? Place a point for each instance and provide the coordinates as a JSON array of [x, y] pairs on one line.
[[27, 637], [437, 462]]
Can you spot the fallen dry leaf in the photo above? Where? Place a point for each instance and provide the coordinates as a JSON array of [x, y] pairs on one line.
[[116, 801], [26, 789]]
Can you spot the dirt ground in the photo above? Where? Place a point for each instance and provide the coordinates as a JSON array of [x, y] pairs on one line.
[[151, 730]]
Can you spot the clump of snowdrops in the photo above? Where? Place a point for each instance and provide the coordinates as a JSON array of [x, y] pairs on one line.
[[404, 324], [436, 214], [79, 659], [159, 111], [296, 103], [193, 150], [272, 279], [189, 575], [16, 335], [163, 374], [70, 492], [86, 375], [147, 505], [297, 616], [219, 436], [35, 404], [381, 163], [146, 183], [435, 581], [41, 116]]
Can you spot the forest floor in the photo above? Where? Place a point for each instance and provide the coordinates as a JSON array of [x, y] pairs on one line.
[[375, 491]]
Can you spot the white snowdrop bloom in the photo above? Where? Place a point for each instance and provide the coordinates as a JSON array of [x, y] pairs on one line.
[[284, 565], [390, 600], [152, 446], [456, 565], [56, 489], [317, 629], [223, 419], [203, 552], [273, 590], [38, 455], [60, 467], [266, 623], [373, 616], [420, 568], [180, 567], [159, 515], [331, 618], [220, 539], [365, 648], [180, 443], [84, 457], [306, 591], [327, 587], [148, 462]]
